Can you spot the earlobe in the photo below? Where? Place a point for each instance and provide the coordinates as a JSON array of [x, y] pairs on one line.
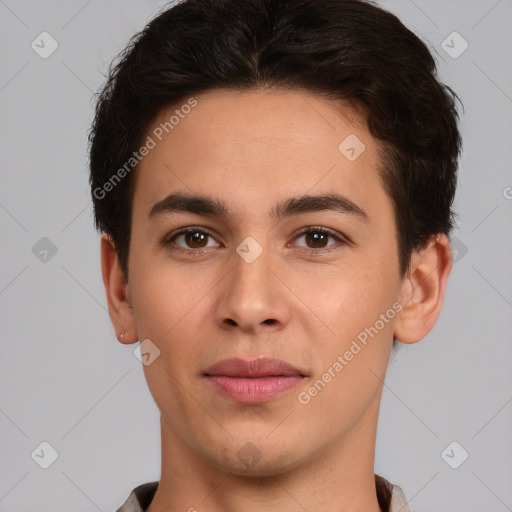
[[423, 289], [117, 292]]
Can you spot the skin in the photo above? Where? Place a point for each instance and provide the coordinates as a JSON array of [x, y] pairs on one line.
[[302, 300]]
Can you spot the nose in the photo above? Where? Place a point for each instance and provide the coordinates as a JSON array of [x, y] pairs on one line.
[[252, 297]]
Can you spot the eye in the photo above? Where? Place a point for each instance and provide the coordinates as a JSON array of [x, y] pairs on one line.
[[317, 237], [195, 240], [189, 240]]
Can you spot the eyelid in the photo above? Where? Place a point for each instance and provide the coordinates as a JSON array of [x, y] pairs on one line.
[[341, 239], [167, 239]]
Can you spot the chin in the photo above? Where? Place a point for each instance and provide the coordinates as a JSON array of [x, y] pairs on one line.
[[258, 461]]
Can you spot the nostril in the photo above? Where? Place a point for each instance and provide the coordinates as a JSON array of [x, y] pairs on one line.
[[269, 321]]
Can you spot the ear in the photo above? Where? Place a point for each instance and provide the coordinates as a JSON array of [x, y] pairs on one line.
[[118, 295], [423, 288]]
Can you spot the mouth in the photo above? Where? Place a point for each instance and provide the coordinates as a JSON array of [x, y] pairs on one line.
[[253, 381]]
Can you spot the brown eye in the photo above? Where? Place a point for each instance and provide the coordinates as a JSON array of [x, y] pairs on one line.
[[195, 239], [318, 238], [189, 240]]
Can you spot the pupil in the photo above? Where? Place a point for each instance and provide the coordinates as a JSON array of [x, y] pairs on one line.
[[196, 237], [317, 237]]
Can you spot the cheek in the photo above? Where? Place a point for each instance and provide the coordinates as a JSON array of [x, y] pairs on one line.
[[347, 298], [358, 334], [163, 294]]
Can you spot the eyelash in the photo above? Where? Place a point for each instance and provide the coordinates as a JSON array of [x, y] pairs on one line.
[[166, 242]]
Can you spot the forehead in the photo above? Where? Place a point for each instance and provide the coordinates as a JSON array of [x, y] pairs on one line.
[[246, 146], [277, 119]]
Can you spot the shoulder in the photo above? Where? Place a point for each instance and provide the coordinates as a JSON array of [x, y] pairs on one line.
[[139, 498], [391, 497]]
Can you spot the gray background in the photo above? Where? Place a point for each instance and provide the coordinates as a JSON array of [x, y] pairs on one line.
[[67, 381]]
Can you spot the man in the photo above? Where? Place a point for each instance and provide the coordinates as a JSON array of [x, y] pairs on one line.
[[274, 182]]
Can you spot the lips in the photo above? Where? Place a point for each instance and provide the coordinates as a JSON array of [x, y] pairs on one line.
[[253, 368], [253, 381]]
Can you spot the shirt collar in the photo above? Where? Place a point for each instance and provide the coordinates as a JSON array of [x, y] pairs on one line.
[[391, 497]]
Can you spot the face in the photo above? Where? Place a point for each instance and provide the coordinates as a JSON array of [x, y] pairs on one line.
[[288, 252]]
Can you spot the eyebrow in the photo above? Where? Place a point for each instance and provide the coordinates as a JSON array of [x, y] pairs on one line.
[[209, 206]]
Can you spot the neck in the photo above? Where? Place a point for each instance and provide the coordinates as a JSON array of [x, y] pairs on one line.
[[338, 479]]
